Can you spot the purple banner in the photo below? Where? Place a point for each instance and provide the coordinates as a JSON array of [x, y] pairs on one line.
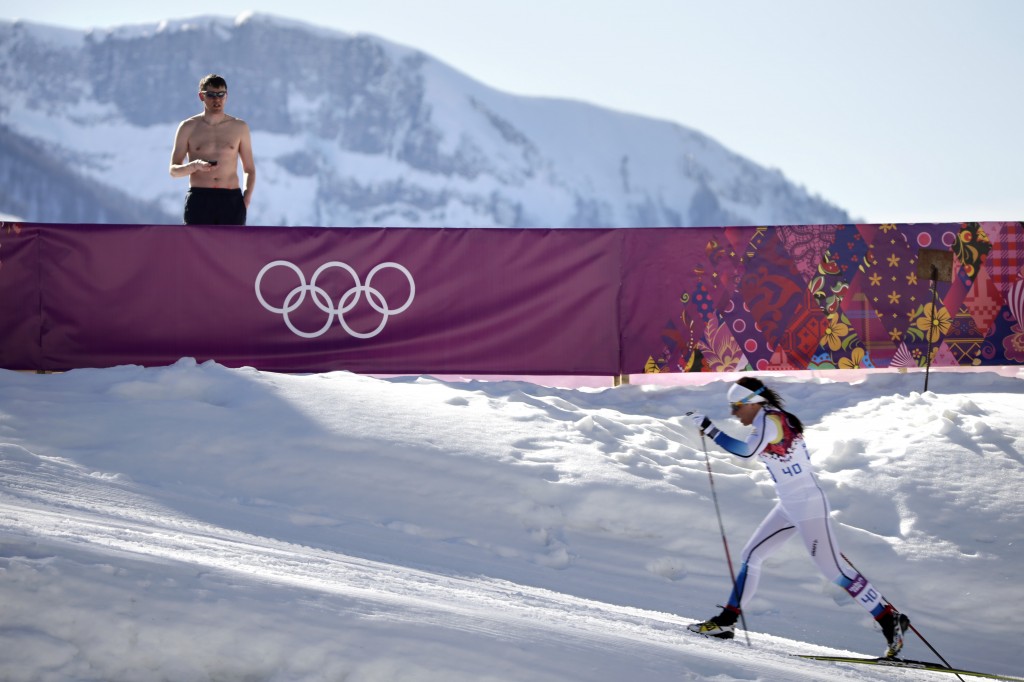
[[513, 301], [310, 299], [20, 329]]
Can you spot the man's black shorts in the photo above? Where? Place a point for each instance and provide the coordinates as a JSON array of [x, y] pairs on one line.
[[211, 206]]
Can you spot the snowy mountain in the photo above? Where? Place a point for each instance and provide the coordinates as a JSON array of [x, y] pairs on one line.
[[348, 130]]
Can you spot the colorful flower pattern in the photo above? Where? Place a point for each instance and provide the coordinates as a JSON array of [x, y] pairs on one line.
[[855, 296], [1013, 343]]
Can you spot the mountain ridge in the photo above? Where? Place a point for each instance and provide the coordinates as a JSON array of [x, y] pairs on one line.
[[353, 130]]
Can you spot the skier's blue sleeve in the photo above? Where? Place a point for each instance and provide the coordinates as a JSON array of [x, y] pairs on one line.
[[765, 431], [735, 446]]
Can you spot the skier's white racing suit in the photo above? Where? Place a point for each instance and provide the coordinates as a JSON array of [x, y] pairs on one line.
[[802, 509]]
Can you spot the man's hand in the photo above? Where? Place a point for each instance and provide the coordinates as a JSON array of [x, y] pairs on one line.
[[202, 166]]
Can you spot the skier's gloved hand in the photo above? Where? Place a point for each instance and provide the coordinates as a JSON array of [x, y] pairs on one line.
[[702, 422]]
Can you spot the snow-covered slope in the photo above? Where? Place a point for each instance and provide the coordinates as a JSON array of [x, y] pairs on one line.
[[202, 523], [348, 130]]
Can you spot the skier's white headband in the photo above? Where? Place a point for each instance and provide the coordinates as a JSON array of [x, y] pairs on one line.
[[742, 395]]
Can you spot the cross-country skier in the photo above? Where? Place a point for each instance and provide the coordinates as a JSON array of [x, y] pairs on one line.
[[802, 509]]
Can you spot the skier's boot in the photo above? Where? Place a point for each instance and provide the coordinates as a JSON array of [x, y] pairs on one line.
[[722, 626], [894, 624]]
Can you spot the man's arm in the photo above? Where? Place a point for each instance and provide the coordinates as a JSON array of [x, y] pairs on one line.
[[178, 167], [248, 164]]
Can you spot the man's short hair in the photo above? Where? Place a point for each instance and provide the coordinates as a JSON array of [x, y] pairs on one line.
[[212, 81]]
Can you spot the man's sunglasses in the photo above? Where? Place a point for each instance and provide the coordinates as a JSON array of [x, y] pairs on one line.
[[215, 94], [735, 407]]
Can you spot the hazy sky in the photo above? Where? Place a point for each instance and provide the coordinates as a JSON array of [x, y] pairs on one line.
[[895, 110]]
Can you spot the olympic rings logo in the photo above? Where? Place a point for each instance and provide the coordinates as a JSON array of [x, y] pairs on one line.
[[323, 301]]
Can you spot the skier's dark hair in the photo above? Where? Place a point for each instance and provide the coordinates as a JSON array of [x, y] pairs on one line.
[[772, 398]]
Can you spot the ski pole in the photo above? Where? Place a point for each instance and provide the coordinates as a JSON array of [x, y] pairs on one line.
[[721, 529], [912, 628]]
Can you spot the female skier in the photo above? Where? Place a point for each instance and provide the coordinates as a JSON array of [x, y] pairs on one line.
[[802, 509]]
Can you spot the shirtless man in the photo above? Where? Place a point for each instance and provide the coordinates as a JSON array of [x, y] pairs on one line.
[[214, 142]]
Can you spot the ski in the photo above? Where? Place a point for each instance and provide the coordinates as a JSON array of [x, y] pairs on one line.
[[913, 665]]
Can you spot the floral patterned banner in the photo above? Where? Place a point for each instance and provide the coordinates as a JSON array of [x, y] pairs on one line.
[[845, 297]]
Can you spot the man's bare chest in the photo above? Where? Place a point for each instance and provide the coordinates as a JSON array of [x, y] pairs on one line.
[[220, 138]]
